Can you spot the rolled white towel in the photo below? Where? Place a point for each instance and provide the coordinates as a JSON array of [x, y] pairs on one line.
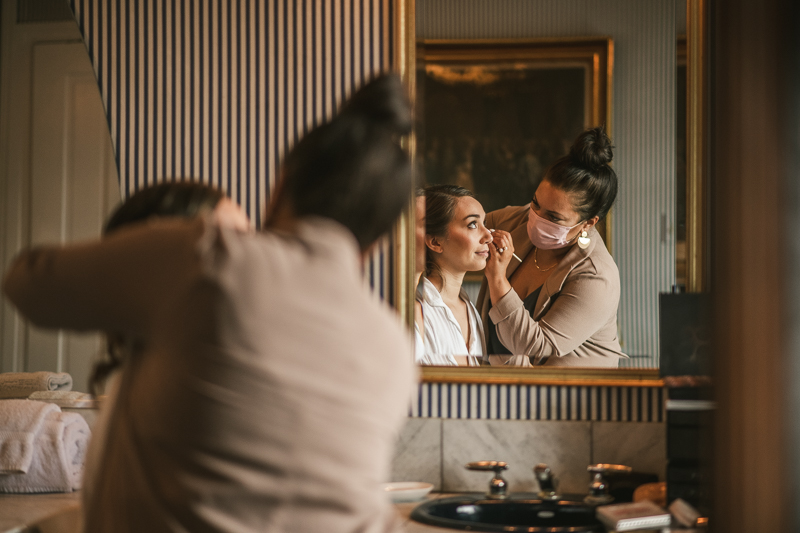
[[22, 384], [59, 452]]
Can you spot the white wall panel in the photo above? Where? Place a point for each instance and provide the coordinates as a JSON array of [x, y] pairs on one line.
[[71, 188]]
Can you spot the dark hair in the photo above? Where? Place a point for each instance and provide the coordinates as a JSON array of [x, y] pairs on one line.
[[440, 208], [352, 169], [174, 199], [586, 174]]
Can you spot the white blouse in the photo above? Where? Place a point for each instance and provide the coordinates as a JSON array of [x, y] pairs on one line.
[[443, 337]]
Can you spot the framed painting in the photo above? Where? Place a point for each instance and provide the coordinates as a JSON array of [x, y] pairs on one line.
[[492, 115]]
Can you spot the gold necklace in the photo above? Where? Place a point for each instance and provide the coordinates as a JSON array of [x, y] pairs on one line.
[[536, 263]]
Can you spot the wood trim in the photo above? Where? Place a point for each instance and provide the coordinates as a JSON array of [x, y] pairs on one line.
[[696, 138], [403, 259], [754, 131], [605, 377]]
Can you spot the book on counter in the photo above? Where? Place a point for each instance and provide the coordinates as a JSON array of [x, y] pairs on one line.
[[631, 516]]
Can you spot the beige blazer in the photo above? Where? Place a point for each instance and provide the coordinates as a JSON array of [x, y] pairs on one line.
[[575, 317], [269, 388]]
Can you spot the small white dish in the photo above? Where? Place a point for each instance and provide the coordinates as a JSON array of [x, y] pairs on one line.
[[406, 491]]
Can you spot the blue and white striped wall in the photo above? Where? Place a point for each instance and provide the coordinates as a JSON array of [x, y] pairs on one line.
[[217, 91], [539, 402], [642, 120]]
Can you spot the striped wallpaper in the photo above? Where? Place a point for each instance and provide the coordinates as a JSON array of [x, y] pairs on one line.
[[539, 402], [642, 120], [218, 90]]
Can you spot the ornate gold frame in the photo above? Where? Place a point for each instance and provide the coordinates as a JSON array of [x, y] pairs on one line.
[[404, 60], [596, 51], [608, 377], [696, 138]]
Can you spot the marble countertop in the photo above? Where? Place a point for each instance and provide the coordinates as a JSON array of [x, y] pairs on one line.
[[17, 511]]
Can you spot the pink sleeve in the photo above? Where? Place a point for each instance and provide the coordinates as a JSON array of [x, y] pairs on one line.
[[121, 283]]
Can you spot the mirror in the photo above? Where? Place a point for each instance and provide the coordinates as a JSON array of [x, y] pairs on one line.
[[642, 117]]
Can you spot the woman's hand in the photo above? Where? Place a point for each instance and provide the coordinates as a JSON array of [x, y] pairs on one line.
[[497, 264], [501, 250]]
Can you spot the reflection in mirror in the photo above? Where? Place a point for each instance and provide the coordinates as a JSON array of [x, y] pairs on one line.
[[642, 118], [456, 242], [557, 300], [58, 180]]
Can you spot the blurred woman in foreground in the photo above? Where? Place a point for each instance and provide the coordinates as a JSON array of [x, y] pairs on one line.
[[270, 386]]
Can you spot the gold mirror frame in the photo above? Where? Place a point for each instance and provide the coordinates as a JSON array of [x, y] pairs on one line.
[[696, 146], [405, 60]]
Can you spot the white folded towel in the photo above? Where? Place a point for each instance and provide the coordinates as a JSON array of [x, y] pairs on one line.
[[20, 422], [71, 398], [58, 448], [22, 384]]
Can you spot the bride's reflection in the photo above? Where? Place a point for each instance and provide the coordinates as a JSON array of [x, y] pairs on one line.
[[456, 242]]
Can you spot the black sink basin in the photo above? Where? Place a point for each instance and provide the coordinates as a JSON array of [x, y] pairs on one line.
[[476, 513]]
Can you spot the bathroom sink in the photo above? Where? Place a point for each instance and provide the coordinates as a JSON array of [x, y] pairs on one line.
[[518, 513]]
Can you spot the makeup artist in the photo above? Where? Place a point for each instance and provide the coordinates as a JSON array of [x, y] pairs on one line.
[[556, 304]]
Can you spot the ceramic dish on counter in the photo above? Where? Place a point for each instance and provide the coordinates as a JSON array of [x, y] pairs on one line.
[[406, 491]]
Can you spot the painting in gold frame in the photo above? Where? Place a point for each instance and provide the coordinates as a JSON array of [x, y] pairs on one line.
[[493, 114]]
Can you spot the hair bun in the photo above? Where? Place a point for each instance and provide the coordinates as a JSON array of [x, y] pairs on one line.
[[382, 102], [592, 149]]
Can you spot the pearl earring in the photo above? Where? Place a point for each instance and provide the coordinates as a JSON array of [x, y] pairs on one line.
[[584, 240]]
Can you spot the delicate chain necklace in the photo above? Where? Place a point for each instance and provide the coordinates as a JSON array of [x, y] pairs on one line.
[[535, 262]]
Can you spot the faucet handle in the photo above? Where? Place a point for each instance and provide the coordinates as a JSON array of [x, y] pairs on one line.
[[498, 487], [598, 488], [605, 468], [547, 482], [487, 466]]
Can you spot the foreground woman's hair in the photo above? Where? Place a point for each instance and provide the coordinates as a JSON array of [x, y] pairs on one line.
[[352, 169]]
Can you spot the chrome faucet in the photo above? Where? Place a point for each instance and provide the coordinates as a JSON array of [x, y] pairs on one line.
[[547, 482], [598, 488], [498, 487]]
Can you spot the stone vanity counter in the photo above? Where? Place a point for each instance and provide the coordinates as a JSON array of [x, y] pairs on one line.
[[17, 511]]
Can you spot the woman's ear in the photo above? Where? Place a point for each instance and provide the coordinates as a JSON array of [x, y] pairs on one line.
[[589, 223], [433, 244]]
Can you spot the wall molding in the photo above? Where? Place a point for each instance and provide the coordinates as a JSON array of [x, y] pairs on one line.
[[539, 402]]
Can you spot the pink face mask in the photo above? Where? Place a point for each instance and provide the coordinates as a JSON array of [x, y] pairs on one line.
[[545, 234]]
